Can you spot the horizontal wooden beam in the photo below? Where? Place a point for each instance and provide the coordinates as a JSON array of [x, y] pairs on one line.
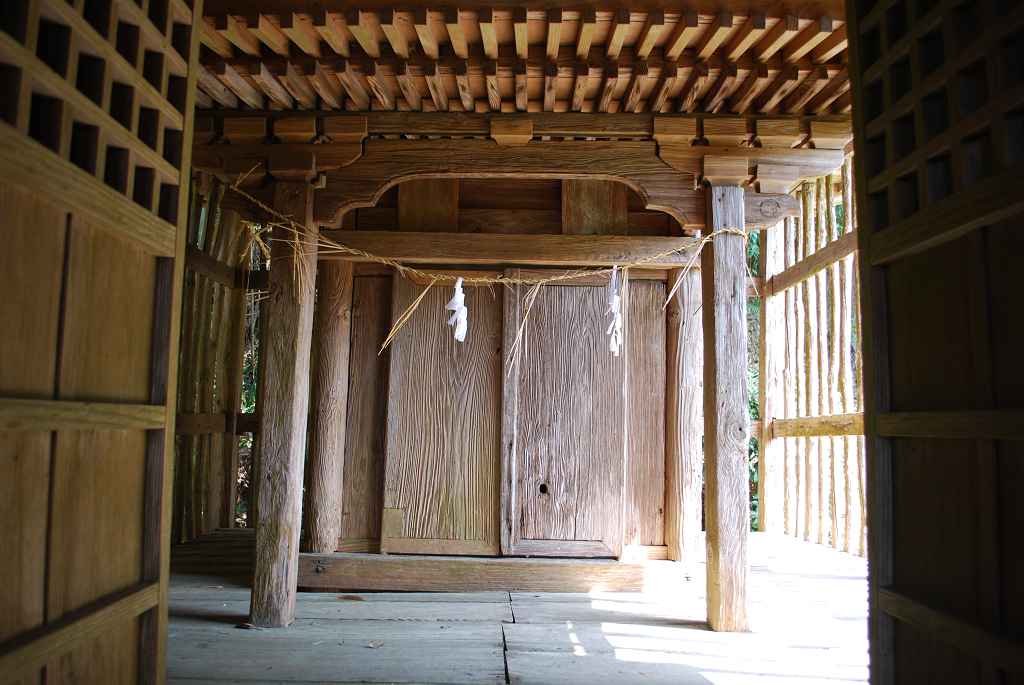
[[993, 199], [219, 272], [804, 269], [48, 415], [26, 654], [818, 426], [202, 263], [988, 424], [462, 574], [994, 648], [554, 124], [214, 424], [499, 249]]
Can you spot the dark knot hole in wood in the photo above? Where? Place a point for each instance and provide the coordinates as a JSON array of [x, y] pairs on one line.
[[543, 488]]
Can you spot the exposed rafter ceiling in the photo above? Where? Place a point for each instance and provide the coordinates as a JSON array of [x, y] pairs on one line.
[[538, 59]]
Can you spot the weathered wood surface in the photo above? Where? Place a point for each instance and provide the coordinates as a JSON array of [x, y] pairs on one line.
[[363, 497], [403, 573], [658, 632], [36, 415], [386, 162], [329, 372], [726, 420], [644, 513], [684, 449], [286, 401], [443, 417], [429, 204], [593, 207], [539, 250], [826, 256], [819, 426], [771, 457], [570, 444]]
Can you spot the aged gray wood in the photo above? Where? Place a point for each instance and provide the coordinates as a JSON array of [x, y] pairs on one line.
[[286, 401], [726, 419], [684, 449], [570, 425], [326, 461], [444, 403]]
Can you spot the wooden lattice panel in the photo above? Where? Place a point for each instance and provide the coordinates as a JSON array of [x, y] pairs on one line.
[[942, 93], [103, 84]]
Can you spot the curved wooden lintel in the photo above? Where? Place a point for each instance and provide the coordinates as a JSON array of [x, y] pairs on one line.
[[386, 162]]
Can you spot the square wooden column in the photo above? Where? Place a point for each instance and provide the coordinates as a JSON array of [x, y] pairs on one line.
[[726, 418], [286, 402]]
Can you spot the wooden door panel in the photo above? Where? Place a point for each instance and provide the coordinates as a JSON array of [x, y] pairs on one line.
[[569, 454], [441, 473]]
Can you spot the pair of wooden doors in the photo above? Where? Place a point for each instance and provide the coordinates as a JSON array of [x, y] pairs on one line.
[[529, 458]]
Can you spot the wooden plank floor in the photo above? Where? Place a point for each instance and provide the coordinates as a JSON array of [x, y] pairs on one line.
[[808, 620]]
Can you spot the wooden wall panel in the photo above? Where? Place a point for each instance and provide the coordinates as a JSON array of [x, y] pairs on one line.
[[31, 274], [1004, 245], [594, 207], [99, 476], [570, 423], [444, 418], [363, 497], [430, 204], [645, 424]]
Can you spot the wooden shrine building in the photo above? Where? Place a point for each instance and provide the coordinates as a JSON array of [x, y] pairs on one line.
[[198, 199]]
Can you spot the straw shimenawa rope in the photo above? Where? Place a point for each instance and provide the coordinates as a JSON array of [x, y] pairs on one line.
[[327, 246]]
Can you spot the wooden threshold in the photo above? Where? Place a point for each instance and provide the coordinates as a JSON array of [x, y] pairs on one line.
[[400, 573]]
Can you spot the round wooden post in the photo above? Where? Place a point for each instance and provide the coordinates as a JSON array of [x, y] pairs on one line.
[[332, 325]]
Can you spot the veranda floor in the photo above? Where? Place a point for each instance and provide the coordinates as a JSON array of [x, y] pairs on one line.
[[808, 614]]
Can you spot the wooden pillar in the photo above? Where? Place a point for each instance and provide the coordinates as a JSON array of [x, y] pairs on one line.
[[771, 511], [286, 402], [726, 418], [332, 326], [684, 428]]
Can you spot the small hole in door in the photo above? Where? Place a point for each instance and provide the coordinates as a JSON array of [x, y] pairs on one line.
[[543, 489]]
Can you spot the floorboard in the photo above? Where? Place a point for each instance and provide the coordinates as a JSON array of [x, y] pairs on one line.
[[808, 625]]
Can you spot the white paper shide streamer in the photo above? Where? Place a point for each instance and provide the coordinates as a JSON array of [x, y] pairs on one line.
[[458, 305], [614, 302]]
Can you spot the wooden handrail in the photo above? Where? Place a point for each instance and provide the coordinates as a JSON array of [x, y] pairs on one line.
[[822, 259], [818, 426]]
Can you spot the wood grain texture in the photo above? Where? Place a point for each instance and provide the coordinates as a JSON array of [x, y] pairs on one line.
[[771, 461], [644, 506], [467, 574], [821, 259], [684, 450], [726, 434], [539, 250], [820, 426], [362, 501], [284, 414], [332, 322], [31, 273], [593, 207], [429, 204], [443, 417], [570, 424]]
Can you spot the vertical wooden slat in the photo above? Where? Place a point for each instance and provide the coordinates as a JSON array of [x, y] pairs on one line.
[[509, 407], [283, 425], [837, 494], [726, 417], [821, 369], [800, 394], [771, 465], [332, 323], [811, 377], [684, 458], [851, 508], [790, 376]]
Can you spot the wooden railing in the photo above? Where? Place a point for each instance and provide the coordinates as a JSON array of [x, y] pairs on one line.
[[811, 470]]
